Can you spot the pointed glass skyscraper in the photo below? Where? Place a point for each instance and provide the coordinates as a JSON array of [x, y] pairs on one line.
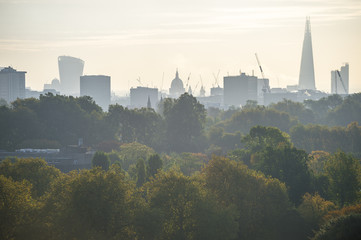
[[307, 72]]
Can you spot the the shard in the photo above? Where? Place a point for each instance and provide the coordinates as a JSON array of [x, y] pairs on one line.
[[307, 72]]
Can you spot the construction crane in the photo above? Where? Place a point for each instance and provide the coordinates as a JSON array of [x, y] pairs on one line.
[[216, 78], [202, 92], [189, 76], [138, 80], [260, 67], [343, 85], [266, 87], [161, 87]]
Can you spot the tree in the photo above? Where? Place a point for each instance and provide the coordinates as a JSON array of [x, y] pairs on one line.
[[185, 211], [296, 110], [287, 164], [342, 228], [261, 202], [260, 137], [101, 159], [15, 208], [91, 204], [154, 165], [131, 152], [313, 208], [244, 120], [34, 170], [344, 173], [184, 118], [140, 172]]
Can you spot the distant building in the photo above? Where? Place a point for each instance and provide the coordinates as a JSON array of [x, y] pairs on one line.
[[340, 80], [216, 91], [176, 89], [97, 87], [307, 72], [70, 70], [238, 89], [55, 85], [29, 93], [279, 94], [144, 96], [12, 84]]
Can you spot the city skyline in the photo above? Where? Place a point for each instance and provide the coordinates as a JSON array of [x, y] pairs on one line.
[[151, 39]]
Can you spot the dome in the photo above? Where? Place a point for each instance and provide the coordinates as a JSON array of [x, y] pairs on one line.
[[176, 87], [177, 83], [55, 81]]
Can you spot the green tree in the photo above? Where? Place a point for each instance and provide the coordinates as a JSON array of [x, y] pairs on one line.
[[342, 228], [91, 204], [140, 167], [244, 120], [154, 165], [131, 152], [101, 159], [296, 110], [16, 205], [313, 208], [187, 211], [34, 170], [185, 118], [322, 106], [261, 203], [287, 164], [260, 137], [344, 173]]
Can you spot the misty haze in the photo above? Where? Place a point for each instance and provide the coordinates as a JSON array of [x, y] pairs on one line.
[[180, 120]]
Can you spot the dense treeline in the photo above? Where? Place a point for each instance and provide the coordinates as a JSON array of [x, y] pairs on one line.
[[285, 171], [180, 125], [224, 200]]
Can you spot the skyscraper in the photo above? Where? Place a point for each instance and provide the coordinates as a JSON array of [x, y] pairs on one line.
[[307, 72], [140, 96], [97, 87], [340, 81], [12, 84], [238, 89], [70, 70]]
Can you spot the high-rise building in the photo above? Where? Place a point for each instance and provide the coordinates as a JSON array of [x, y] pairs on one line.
[[238, 89], [12, 84], [97, 87], [307, 72], [70, 70], [340, 80], [144, 96]]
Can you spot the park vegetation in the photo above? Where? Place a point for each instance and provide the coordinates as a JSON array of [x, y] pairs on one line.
[[286, 171]]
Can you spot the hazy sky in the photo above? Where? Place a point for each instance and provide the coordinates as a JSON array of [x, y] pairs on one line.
[[128, 39]]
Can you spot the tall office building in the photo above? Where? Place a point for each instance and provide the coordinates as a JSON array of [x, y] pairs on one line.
[[307, 72], [139, 97], [70, 70], [97, 87], [238, 89], [340, 80], [12, 84]]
